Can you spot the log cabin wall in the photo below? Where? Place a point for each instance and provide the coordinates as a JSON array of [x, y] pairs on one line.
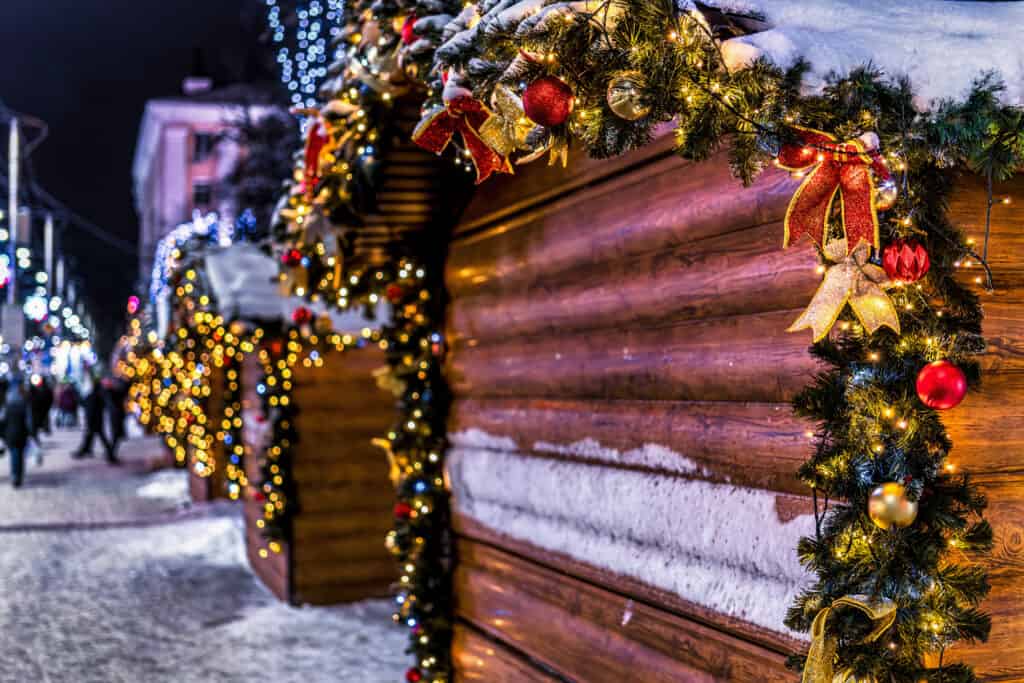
[[623, 452], [343, 495]]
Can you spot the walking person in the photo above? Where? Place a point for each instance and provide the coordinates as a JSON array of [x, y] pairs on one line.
[[49, 397], [67, 406], [40, 398], [17, 428], [117, 394], [95, 405]]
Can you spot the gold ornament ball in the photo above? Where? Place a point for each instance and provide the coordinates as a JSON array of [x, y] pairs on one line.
[[889, 506], [626, 96], [885, 196]]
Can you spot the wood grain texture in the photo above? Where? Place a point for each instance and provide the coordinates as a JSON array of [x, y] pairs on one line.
[[482, 659], [748, 444], [587, 633], [741, 358], [738, 273]]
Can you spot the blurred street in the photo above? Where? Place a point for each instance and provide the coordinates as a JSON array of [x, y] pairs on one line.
[[109, 575]]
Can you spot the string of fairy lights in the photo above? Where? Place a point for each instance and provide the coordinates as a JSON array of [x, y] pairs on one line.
[[304, 57]]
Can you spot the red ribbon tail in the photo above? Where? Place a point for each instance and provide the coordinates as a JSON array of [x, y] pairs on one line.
[[859, 217], [485, 159], [808, 211]]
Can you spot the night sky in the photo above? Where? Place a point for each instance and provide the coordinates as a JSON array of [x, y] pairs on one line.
[[87, 67]]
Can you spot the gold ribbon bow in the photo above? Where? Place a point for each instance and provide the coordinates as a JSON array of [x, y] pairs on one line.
[[821, 656], [851, 279], [506, 130]]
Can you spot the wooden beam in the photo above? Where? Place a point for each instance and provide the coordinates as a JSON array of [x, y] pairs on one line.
[[587, 633]]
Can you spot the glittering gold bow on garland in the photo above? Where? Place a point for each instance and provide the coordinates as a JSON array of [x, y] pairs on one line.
[[508, 129], [851, 279], [821, 656]]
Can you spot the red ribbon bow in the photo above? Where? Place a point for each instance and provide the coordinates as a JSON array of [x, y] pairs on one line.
[[465, 115], [842, 168], [316, 139]]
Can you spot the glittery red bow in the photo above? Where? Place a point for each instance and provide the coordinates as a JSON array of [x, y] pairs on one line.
[[842, 168], [316, 138], [464, 115]]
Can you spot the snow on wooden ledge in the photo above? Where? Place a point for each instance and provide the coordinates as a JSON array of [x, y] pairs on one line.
[[720, 546]]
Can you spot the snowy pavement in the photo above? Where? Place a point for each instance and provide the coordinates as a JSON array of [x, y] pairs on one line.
[[108, 575]]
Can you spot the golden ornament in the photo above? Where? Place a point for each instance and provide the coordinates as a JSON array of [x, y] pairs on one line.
[[889, 506], [626, 96], [850, 280]]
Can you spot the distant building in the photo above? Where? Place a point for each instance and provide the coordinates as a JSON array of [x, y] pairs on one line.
[[183, 156]]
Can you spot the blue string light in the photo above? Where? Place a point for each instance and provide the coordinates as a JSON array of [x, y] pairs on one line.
[[304, 59]]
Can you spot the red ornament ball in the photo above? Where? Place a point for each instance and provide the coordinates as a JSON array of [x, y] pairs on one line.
[[403, 510], [302, 316], [905, 261], [548, 101], [408, 34], [941, 385], [414, 675], [394, 293], [291, 258]]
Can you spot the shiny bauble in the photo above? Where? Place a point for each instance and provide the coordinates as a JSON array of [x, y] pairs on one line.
[[548, 101], [941, 385], [291, 258], [302, 316], [886, 195], [402, 510], [394, 293], [626, 96], [888, 506], [905, 261], [414, 675]]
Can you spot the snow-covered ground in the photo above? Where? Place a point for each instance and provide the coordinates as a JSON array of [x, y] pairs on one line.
[[107, 575]]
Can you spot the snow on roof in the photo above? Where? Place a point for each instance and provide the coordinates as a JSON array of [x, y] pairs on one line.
[[243, 281], [943, 46], [244, 284]]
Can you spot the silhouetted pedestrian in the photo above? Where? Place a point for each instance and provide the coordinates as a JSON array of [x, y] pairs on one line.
[[67, 406], [17, 428], [117, 394], [95, 407]]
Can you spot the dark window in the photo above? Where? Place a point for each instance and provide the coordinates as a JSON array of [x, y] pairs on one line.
[[202, 194], [203, 146]]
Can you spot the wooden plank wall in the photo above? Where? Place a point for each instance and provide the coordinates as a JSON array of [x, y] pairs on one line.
[[645, 300], [344, 498]]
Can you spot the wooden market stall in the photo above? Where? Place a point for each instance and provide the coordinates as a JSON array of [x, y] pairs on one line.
[[343, 502], [623, 452]]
